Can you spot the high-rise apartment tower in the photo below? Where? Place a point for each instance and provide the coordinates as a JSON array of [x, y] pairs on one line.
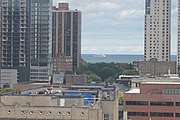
[[14, 36], [41, 40], [66, 38], [26, 37], [157, 36]]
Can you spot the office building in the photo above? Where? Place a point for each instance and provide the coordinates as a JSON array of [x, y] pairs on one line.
[[26, 38], [153, 101], [157, 36], [78, 102], [66, 38], [178, 40]]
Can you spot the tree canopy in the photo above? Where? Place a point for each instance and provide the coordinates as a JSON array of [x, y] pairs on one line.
[[105, 72]]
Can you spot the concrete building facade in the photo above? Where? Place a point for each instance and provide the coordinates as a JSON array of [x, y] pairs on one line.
[[78, 102], [153, 101], [157, 36], [8, 78], [45, 107], [66, 37]]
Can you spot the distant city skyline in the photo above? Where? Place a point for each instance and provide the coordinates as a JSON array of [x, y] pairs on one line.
[[116, 26]]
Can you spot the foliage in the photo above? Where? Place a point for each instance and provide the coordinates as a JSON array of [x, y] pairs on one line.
[[105, 72], [130, 72], [5, 90], [94, 78], [109, 80], [121, 100]]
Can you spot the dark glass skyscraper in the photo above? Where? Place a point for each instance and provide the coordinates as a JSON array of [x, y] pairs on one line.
[[25, 36], [14, 36]]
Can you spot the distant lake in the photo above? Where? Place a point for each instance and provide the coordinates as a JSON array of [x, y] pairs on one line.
[[117, 58]]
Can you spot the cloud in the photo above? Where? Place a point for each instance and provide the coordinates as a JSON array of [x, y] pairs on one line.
[[131, 13], [125, 49], [105, 21]]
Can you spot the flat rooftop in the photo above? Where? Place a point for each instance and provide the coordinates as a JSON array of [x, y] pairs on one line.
[[162, 83], [135, 90]]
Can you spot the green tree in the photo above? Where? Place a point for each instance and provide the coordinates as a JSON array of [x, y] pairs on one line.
[[130, 72], [121, 100], [107, 72], [110, 80], [5, 90], [94, 78]]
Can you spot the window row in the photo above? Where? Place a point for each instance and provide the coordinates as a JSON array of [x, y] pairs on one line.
[[153, 114], [42, 113], [146, 103]]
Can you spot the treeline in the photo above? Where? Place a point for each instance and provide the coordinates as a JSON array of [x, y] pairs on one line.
[[105, 72]]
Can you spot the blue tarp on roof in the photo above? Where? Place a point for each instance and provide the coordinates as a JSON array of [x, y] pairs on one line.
[[88, 98]]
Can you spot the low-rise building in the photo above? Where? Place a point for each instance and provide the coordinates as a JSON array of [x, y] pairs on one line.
[[75, 79], [155, 68], [78, 102], [153, 101], [8, 78]]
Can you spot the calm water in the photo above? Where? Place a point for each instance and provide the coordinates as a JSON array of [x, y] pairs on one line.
[[91, 58]]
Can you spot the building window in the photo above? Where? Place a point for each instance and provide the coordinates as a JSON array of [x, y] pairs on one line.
[[59, 113], [31, 112], [8, 111], [40, 113], [49, 113], [177, 114], [143, 103], [22, 112], [68, 113], [161, 103], [82, 113], [137, 114], [177, 103], [106, 117], [159, 114]]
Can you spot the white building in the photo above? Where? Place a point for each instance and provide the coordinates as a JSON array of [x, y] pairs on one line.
[[157, 36]]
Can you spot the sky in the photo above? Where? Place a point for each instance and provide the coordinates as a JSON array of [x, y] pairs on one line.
[[116, 26]]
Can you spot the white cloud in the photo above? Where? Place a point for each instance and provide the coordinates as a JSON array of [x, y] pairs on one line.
[[125, 49], [131, 13], [115, 16]]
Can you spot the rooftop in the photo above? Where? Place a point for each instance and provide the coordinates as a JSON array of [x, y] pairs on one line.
[[136, 90], [162, 83]]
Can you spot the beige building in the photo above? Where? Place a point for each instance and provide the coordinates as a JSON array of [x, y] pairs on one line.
[[47, 107], [157, 36], [84, 102], [66, 37]]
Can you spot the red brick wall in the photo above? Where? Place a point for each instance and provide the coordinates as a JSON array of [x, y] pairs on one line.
[[152, 97], [156, 88]]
